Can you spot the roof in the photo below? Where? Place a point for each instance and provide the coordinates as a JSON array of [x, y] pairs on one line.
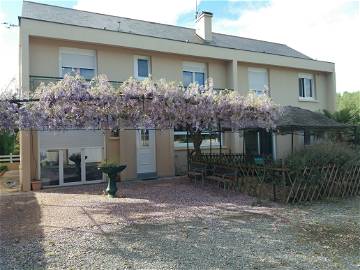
[[296, 118], [50, 13]]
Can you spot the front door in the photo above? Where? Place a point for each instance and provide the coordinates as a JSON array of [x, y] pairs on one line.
[[146, 156]]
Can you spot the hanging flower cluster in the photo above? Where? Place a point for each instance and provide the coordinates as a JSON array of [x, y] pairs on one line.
[[8, 114], [76, 103]]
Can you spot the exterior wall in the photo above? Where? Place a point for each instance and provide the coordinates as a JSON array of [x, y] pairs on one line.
[[128, 153], [117, 62], [112, 148], [180, 159], [284, 86], [39, 56], [114, 38], [165, 153], [284, 144]]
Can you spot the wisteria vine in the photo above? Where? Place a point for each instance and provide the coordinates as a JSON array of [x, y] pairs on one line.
[[76, 103]]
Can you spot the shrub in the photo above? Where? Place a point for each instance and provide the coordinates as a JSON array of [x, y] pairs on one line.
[[3, 168], [322, 155]]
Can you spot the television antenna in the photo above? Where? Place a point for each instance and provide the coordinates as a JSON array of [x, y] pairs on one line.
[[196, 9]]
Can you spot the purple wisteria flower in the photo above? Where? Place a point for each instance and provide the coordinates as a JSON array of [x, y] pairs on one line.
[[74, 103]]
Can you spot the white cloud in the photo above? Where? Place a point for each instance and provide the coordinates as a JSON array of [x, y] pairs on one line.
[[163, 11], [8, 54], [325, 30]]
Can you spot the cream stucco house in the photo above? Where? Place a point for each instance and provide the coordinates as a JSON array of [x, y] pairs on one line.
[[55, 41]]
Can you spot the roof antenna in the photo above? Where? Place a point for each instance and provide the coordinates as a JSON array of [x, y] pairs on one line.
[[196, 9]]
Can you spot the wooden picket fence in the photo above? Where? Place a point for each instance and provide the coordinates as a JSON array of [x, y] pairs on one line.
[[289, 186], [318, 183], [9, 158]]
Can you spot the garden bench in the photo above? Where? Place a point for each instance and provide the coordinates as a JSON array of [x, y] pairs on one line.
[[224, 175], [197, 170]]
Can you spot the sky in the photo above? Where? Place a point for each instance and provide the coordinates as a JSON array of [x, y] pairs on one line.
[[326, 30]]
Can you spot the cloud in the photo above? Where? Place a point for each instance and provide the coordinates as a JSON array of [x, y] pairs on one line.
[[326, 30], [163, 11], [9, 54]]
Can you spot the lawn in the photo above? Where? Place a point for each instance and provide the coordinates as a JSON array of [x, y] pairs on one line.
[[170, 224]]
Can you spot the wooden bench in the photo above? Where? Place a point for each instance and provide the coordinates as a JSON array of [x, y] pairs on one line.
[[197, 170], [225, 176]]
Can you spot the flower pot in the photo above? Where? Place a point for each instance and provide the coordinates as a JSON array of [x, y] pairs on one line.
[[35, 185]]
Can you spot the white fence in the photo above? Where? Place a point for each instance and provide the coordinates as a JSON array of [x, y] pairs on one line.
[[9, 158]]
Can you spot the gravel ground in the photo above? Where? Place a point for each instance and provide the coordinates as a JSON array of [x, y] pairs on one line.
[[170, 224]]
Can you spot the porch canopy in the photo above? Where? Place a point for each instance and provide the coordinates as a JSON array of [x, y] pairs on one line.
[[295, 118], [299, 121]]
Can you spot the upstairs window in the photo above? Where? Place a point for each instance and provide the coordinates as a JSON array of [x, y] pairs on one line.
[[258, 80], [141, 67], [306, 86], [78, 61], [193, 73]]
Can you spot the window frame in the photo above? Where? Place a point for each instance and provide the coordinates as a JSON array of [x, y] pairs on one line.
[[310, 77], [214, 144], [136, 66], [259, 70], [194, 67], [76, 51]]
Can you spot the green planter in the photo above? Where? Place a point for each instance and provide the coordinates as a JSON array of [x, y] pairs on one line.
[[111, 170]]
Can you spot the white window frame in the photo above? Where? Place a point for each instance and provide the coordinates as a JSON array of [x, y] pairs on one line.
[[194, 67], [259, 70], [214, 144], [136, 70], [76, 51], [312, 78]]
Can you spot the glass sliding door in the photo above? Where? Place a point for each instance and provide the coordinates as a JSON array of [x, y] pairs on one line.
[[93, 157], [49, 167], [72, 165]]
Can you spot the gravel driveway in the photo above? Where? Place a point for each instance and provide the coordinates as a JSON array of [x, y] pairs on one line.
[[170, 224]]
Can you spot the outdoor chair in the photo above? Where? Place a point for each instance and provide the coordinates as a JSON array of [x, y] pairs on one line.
[[197, 171], [224, 176]]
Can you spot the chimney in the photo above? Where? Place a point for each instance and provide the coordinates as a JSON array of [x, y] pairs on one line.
[[204, 25]]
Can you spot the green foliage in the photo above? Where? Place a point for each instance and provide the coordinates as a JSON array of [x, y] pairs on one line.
[[7, 143], [322, 155], [3, 168], [348, 108]]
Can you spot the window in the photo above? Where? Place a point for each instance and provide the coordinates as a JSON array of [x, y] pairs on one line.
[[193, 73], [78, 61], [258, 80], [141, 67], [180, 139], [258, 142], [306, 86], [145, 137]]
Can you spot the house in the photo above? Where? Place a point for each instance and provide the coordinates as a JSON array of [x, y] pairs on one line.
[[56, 40]]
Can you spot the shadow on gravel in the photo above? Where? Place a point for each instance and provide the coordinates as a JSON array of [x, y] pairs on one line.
[[21, 236]]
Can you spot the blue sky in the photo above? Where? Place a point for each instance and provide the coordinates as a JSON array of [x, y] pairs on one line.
[[322, 29]]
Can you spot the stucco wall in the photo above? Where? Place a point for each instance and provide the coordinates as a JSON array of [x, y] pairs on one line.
[[118, 62], [284, 86], [165, 153], [284, 144], [128, 153]]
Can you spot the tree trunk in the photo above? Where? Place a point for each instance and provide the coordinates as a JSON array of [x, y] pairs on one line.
[[197, 140]]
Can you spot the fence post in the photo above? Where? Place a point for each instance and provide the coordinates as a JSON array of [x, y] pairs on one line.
[[11, 158]]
